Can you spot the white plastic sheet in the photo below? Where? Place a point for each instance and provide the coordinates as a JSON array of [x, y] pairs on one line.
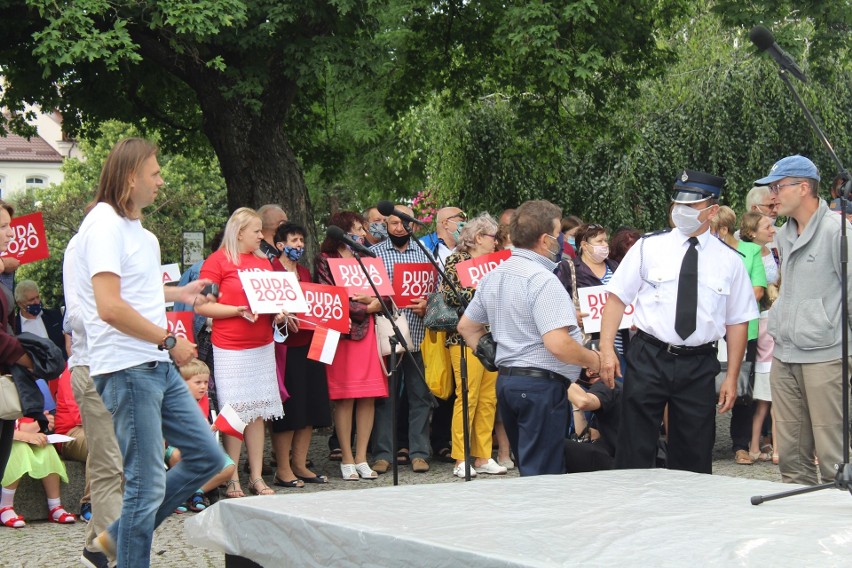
[[613, 518]]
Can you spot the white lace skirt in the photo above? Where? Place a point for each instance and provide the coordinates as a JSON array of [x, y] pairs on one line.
[[247, 380]]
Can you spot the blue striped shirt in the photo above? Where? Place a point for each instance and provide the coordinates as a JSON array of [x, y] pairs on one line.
[[390, 256], [522, 300]]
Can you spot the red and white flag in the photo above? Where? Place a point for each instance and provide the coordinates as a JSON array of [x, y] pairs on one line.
[[228, 422], [324, 345]]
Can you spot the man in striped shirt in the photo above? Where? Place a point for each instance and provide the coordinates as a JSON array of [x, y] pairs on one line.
[[533, 322]]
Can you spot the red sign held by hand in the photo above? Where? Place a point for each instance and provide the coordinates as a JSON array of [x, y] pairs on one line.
[[180, 324], [328, 306], [30, 241], [471, 271], [412, 281], [348, 274]]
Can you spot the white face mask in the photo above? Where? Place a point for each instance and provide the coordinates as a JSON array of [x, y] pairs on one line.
[[598, 253], [685, 218]]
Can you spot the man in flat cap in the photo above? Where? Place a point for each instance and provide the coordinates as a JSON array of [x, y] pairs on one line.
[[806, 325], [688, 289]]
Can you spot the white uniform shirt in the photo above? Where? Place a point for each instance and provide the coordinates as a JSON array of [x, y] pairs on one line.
[[109, 243], [650, 281]]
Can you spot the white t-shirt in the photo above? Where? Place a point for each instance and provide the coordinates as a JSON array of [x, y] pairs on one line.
[[73, 323], [109, 243]]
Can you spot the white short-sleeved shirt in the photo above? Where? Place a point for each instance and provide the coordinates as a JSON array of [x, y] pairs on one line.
[[648, 278], [110, 243]]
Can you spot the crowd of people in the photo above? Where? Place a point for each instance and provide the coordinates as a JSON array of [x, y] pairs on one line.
[[551, 398]]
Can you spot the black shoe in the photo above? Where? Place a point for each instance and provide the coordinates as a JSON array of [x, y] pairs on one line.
[[94, 559]]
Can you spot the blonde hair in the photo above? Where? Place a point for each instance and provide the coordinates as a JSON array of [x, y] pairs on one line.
[[725, 217], [123, 161], [238, 221], [192, 368]]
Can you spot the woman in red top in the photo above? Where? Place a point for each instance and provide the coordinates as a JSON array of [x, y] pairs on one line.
[[307, 408], [243, 351], [355, 373]]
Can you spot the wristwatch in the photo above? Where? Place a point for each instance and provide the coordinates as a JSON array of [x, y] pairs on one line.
[[168, 343]]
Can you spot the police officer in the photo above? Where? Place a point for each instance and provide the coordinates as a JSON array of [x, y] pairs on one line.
[[688, 289]]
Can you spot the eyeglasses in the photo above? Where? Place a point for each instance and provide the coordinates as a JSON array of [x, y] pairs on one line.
[[768, 205], [775, 187], [487, 235]]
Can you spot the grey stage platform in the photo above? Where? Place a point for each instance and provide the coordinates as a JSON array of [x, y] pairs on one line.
[[614, 518]]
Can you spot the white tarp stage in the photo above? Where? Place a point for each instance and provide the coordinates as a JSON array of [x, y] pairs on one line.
[[613, 518]]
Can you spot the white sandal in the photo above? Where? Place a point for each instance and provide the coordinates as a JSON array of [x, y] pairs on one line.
[[364, 471], [349, 471]]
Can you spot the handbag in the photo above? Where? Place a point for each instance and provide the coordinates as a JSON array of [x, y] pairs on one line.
[[745, 382], [384, 331], [10, 401], [440, 316], [438, 368], [586, 340]]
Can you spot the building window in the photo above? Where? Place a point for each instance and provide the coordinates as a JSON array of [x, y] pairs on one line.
[[36, 182], [2, 186]]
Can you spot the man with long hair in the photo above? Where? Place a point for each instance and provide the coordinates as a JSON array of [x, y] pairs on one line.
[[122, 303]]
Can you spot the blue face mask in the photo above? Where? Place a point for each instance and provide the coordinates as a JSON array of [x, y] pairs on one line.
[[457, 232], [294, 253], [34, 309], [357, 238], [556, 255], [378, 230], [571, 241]]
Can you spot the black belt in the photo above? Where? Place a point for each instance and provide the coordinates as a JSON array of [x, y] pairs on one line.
[[533, 372], [684, 350]]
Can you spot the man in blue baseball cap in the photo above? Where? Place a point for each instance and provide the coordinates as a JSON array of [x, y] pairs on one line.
[[806, 372]]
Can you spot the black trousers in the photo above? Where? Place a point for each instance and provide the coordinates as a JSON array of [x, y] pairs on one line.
[[687, 385], [7, 433], [743, 414]]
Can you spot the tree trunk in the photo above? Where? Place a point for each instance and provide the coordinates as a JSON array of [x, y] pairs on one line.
[[257, 161]]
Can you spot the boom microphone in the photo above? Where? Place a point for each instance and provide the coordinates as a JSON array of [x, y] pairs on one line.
[[336, 233], [386, 208], [763, 40]]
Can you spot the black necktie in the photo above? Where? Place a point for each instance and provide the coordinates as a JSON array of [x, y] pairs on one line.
[[687, 292]]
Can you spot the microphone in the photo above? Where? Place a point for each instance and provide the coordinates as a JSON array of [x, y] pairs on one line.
[[763, 40], [336, 233], [386, 208]]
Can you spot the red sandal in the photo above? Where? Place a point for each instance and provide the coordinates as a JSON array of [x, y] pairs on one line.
[[64, 517], [15, 522]]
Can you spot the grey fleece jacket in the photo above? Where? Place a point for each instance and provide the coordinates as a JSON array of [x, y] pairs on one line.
[[805, 319]]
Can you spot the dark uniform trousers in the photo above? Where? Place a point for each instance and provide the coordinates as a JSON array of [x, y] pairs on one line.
[[687, 384]]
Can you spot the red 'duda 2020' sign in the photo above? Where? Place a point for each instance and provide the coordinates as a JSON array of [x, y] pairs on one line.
[[30, 241]]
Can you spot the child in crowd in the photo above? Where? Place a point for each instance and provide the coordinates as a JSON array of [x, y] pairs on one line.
[[32, 455], [197, 376]]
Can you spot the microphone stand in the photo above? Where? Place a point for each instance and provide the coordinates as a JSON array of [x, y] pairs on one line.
[[394, 340], [463, 364], [843, 477]]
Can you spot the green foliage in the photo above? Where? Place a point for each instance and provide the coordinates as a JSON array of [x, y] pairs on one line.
[[719, 109], [193, 199]]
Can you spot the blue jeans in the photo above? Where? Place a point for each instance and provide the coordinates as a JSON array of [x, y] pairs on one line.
[[535, 412], [148, 403], [419, 407]]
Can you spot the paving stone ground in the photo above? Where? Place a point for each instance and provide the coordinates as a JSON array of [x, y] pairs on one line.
[[47, 545]]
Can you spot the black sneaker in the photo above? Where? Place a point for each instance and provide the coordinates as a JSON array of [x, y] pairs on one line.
[[94, 559]]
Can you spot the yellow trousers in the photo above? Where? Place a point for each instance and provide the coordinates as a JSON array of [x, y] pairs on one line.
[[482, 405]]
